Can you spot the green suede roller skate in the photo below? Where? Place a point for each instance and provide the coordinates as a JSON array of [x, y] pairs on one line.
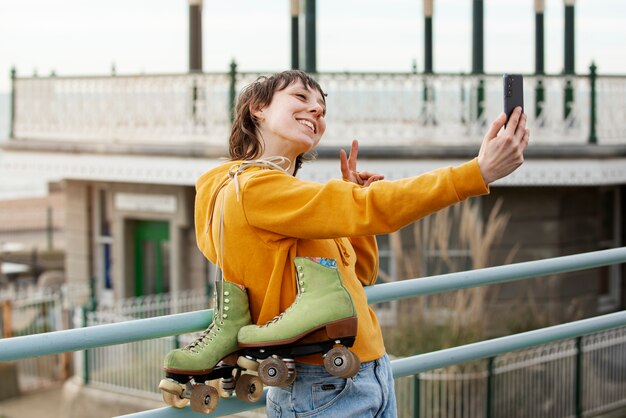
[[322, 317], [207, 368]]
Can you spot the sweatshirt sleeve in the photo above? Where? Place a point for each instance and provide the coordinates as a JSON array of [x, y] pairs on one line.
[[292, 207], [366, 266]]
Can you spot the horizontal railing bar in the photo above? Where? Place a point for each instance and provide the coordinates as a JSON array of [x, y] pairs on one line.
[[143, 329], [101, 335], [420, 363], [475, 351], [492, 275]]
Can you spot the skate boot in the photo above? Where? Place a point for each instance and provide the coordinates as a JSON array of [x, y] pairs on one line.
[[321, 317], [192, 372]]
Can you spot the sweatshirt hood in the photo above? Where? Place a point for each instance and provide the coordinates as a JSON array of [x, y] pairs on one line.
[[208, 202], [206, 210]]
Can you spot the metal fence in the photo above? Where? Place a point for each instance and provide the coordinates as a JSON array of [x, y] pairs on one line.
[[381, 109], [30, 312], [134, 367], [70, 295], [149, 306], [533, 382], [540, 382]]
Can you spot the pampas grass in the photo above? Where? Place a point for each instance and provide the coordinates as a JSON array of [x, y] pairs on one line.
[[453, 239]]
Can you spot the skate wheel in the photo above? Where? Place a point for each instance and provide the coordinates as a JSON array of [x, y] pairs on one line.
[[274, 372], [172, 392], [247, 363], [174, 400], [204, 398], [341, 362], [249, 388]]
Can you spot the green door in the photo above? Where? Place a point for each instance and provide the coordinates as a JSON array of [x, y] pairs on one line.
[[152, 258]]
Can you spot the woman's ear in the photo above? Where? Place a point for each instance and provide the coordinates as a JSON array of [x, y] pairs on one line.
[[256, 112]]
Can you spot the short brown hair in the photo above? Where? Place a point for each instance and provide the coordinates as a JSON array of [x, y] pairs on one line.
[[243, 143]]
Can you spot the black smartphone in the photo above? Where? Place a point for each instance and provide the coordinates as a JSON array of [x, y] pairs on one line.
[[513, 93]]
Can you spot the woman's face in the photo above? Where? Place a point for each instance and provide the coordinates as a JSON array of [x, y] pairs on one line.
[[293, 123]]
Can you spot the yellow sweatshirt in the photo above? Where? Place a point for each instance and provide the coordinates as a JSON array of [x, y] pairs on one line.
[[271, 217]]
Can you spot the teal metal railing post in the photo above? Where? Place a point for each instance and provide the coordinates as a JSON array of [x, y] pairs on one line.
[[194, 100], [12, 127], [310, 35], [568, 99], [539, 62], [86, 352], [540, 98], [93, 302], [490, 387], [295, 34], [195, 36], [232, 91], [569, 62], [579, 377], [480, 100], [90, 306], [593, 137], [416, 396], [478, 60], [428, 36]]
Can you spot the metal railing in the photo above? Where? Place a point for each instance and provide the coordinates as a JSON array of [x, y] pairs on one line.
[[149, 306], [380, 109], [86, 338], [37, 313], [141, 360], [538, 382]]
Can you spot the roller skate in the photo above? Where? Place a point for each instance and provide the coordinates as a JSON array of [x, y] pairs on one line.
[[322, 319], [206, 369]]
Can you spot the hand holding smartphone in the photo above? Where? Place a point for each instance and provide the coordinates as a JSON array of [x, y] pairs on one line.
[[513, 93]]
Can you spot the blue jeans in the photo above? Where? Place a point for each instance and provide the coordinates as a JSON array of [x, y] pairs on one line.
[[316, 393]]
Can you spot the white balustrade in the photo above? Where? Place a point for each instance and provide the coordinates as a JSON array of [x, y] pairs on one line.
[[380, 109]]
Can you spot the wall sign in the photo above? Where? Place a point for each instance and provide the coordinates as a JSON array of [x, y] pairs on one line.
[[161, 203]]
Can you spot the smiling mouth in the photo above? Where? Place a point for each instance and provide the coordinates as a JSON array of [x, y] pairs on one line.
[[308, 124]]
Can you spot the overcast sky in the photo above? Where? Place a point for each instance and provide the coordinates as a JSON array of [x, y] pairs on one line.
[[84, 37]]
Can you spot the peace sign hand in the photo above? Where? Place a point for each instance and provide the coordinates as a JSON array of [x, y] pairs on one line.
[[349, 171]]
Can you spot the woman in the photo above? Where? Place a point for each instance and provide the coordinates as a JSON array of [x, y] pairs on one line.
[[257, 222]]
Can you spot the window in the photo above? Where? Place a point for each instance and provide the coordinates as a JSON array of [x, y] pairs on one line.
[[103, 245]]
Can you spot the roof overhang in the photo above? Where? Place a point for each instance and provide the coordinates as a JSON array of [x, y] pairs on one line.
[[178, 170]]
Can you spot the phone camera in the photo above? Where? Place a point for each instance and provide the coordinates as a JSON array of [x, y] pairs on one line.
[[509, 92]]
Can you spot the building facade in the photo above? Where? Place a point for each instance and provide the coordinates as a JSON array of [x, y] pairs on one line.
[[129, 149]]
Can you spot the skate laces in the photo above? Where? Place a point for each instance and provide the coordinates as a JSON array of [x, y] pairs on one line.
[[203, 340], [280, 316]]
